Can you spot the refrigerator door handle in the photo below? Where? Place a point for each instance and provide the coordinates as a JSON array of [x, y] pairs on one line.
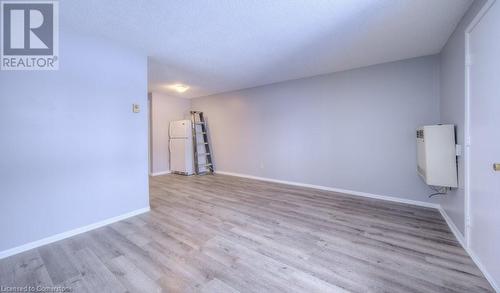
[[169, 154]]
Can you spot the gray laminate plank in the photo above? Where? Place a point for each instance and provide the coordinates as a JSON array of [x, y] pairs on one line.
[[58, 263], [25, 269], [95, 275], [131, 277], [228, 234], [217, 286]]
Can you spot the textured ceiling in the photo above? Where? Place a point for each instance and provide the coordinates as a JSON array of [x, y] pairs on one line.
[[223, 45]]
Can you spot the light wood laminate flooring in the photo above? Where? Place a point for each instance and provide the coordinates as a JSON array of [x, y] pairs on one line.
[[228, 234]]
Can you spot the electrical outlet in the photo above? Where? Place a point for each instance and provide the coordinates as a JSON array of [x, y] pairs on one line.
[[136, 108]]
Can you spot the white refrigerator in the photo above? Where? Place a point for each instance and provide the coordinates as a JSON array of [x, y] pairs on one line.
[[181, 147]]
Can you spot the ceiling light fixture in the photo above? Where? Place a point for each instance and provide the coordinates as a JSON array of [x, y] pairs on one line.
[[180, 88]]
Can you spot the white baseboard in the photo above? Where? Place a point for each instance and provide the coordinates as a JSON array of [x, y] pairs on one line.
[[483, 269], [67, 234], [345, 191], [461, 239], [160, 173]]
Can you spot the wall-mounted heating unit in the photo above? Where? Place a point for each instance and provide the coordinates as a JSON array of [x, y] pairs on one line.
[[436, 155]]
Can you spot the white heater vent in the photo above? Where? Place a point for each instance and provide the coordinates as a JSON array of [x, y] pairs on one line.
[[436, 155]]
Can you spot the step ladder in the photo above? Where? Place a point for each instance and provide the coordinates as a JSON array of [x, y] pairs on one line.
[[201, 147]]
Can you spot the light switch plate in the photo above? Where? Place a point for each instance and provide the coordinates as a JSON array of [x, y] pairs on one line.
[[136, 108]]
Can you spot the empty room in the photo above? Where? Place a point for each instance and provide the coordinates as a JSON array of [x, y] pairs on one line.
[[250, 146]]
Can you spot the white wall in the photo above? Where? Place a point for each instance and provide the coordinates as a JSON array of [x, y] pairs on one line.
[[452, 107], [163, 110], [353, 130], [73, 153]]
